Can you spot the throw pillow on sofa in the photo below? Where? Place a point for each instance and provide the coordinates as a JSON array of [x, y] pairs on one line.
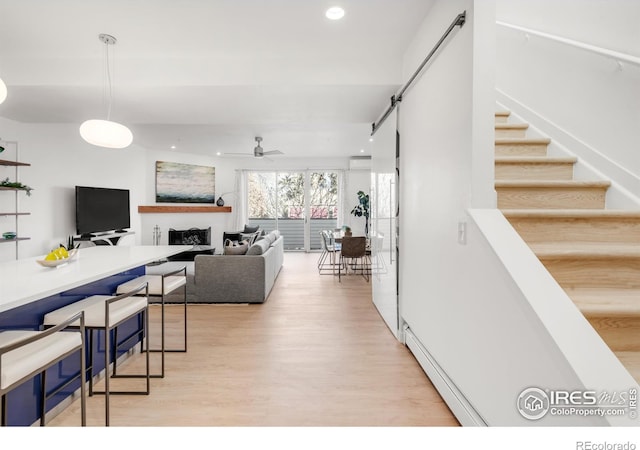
[[259, 248], [231, 248], [248, 229], [250, 237]]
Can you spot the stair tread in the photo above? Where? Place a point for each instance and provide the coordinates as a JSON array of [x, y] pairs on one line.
[[610, 301], [514, 141], [511, 126], [552, 183], [572, 213], [535, 160], [503, 113], [599, 301], [586, 250]]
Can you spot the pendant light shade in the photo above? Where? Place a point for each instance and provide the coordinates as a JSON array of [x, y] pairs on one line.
[[3, 91], [105, 133]]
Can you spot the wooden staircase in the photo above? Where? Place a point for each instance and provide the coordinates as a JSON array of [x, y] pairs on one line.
[[593, 253]]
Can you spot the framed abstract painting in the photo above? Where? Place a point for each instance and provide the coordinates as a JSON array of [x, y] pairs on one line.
[[184, 183]]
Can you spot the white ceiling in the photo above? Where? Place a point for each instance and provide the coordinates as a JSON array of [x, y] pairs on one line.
[[209, 75]]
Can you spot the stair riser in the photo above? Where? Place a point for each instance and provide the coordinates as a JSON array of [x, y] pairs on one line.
[[527, 171], [510, 133], [597, 272], [619, 333], [521, 149], [502, 119], [539, 230], [551, 198]]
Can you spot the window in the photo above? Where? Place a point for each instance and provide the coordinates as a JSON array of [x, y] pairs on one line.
[[282, 200]]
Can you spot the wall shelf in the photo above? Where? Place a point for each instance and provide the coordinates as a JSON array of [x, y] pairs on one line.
[[14, 164], [6, 188], [183, 209], [4, 162], [14, 239]]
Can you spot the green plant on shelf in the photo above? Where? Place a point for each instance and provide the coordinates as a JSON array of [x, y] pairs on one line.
[[16, 185]]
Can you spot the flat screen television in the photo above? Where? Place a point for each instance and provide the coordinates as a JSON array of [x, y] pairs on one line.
[[101, 210]]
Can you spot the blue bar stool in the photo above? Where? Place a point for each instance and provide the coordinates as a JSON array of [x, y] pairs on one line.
[[26, 353]]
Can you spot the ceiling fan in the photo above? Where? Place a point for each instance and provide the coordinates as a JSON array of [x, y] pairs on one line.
[[258, 151]]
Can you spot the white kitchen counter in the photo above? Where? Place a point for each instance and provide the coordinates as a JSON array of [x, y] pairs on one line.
[[25, 281]]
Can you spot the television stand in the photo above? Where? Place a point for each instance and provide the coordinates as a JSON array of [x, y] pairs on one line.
[[110, 238]]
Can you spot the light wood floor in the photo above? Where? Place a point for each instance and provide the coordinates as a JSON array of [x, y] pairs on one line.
[[315, 354]]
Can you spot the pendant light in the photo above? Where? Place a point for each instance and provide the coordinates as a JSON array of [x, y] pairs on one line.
[[3, 91], [106, 133]]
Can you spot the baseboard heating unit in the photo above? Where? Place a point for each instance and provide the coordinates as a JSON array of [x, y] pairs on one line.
[[459, 405]]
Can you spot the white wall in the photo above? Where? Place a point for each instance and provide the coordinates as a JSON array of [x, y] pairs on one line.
[[459, 299], [586, 102], [60, 160], [611, 24], [219, 222]]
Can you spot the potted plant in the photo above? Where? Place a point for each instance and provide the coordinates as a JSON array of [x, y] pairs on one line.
[[362, 210]]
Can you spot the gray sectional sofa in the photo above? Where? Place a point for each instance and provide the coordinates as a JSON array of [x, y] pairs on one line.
[[246, 278]]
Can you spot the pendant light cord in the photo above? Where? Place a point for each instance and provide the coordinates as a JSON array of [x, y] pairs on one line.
[[108, 90]]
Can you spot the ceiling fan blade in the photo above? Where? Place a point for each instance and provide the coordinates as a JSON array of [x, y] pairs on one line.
[[238, 154], [274, 152]]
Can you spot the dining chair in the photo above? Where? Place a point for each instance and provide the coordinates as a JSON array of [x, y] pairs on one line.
[[353, 250], [329, 250]]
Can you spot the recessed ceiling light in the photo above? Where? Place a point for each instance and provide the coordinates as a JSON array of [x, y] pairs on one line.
[[361, 150], [173, 147], [334, 13], [370, 139], [218, 153]]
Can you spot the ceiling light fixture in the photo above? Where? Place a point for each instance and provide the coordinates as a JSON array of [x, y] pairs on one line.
[[105, 133], [335, 13], [173, 147], [3, 91]]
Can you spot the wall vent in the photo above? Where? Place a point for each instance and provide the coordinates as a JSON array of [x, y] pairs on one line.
[[360, 163]]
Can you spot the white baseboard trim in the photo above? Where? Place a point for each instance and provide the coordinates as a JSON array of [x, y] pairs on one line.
[[459, 405]]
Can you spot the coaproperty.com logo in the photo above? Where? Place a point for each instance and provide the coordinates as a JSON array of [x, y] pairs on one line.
[[535, 403]]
